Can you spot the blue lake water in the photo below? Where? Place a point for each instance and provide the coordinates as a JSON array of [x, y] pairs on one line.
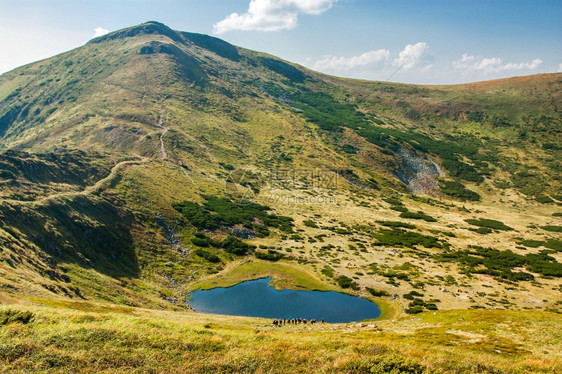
[[257, 299]]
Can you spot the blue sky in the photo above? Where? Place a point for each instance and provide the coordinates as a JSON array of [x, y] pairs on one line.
[[415, 41]]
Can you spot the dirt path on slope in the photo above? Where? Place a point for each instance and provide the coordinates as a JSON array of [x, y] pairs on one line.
[[95, 188], [165, 129]]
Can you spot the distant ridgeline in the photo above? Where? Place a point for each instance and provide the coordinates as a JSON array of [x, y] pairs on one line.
[[464, 156]]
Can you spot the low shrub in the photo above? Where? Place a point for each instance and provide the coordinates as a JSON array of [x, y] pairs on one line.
[[543, 199], [396, 224], [418, 215], [376, 293], [501, 263], [269, 255], [488, 223], [236, 246], [310, 223], [207, 255], [459, 191], [552, 228], [201, 242], [402, 238], [346, 282], [328, 271]]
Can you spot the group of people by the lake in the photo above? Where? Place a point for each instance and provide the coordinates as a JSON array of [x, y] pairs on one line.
[[295, 321]]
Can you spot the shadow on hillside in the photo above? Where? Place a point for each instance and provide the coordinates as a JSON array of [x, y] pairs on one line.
[[84, 230]]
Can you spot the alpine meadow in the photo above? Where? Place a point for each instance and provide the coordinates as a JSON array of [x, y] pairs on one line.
[[151, 163]]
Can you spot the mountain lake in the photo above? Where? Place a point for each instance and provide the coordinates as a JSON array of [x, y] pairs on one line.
[[256, 298]]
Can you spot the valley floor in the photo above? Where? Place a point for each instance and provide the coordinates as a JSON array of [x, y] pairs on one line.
[[57, 335]]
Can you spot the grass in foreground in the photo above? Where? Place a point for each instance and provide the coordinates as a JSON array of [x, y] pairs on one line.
[[65, 339]]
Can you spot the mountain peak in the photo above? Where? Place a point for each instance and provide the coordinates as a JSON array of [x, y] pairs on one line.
[[216, 45], [150, 27]]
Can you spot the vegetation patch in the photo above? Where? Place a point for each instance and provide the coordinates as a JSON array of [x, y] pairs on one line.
[[549, 243], [346, 282], [402, 238], [310, 223], [552, 228], [543, 199], [418, 215], [269, 255], [459, 191], [220, 212], [491, 261], [207, 255], [488, 223], [393, 201], [376, 293], [418, 305], [396, 224], [236, 246]]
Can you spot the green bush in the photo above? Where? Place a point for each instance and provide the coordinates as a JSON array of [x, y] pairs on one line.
[[488, 223], [346, 282], [554, 244], [376, 293], [327, 271], [543, 199], [201, 242], [236, 246], [531, 243], [310, 223], [418, 215], [501, 263], [402, 238], [552, 228], [482, 230], [459, 169], [414, 310], [459, 191], [393, 201], [207, 255], [396, 224], [269, 255], [476, 116], [418, 305], [216, 212]]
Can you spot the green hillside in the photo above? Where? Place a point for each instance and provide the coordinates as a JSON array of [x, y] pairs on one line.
[[152, 162]]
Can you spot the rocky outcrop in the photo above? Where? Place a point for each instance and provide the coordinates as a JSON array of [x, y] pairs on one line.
[[419, 173]]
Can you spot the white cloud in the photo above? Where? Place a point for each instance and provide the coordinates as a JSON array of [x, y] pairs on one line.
[[412, 55], [559, 68], [272, 15], [493, 64], [100, 31], [346, 63]]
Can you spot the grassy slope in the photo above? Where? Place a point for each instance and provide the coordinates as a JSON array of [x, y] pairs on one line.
[[86, 337]]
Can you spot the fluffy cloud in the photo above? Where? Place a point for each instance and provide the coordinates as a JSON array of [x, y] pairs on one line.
[[346, 63], [100, 31], [492, 64], [560, 68], [412, 55], [272, 15]]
